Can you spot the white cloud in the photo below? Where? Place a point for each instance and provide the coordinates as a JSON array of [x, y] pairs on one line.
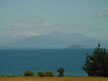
[[25, 34], [99, 15], [31, 23], [30, 27]]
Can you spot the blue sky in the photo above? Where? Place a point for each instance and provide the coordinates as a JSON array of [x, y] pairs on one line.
[[38, 17]]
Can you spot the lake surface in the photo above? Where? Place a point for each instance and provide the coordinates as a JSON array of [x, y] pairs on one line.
[[16, 62]]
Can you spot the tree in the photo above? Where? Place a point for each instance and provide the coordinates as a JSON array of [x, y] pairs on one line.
[[28, 73], [61, 71], [97, 63]]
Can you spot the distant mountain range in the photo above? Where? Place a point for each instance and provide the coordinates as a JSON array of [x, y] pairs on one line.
[[55, 40]]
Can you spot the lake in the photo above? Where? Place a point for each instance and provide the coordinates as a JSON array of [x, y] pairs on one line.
[[16, 62]]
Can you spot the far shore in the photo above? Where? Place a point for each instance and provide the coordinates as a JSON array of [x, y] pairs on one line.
[[66, 78]]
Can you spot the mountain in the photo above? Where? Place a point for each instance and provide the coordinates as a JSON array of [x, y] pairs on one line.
[[56, 40]]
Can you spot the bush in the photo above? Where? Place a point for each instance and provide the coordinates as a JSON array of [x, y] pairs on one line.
[[44, 74], [50, 74], [61, 71], [28, 73], [41, 74], [97, 63]]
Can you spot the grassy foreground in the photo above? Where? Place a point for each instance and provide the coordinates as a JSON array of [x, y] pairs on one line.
[[5, 78]]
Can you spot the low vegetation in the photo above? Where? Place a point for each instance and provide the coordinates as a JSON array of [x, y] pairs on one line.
[[61, 71], [49, 74], [28, 73], [41, 74], [45, 74]]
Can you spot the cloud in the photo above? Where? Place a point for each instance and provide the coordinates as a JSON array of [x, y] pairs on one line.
[[31, 23], [34, 27], [99, 15], [24, 34]]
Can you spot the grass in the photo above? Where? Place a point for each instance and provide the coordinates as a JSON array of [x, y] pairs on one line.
[[21, 78]]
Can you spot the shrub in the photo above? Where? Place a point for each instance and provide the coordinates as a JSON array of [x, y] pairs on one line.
[[41, 74], [50, 74], [28, 73], [61, 71], [44, 74]]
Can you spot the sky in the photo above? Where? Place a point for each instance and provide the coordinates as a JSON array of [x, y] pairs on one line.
[[40, 17]]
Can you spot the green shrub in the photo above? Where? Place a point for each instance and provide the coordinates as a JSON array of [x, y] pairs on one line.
[[41, 74], [45, 74], [50, 74], [28, 73], [60, 71]]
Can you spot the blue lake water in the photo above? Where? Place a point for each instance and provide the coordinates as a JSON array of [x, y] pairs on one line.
[[16, 62]]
